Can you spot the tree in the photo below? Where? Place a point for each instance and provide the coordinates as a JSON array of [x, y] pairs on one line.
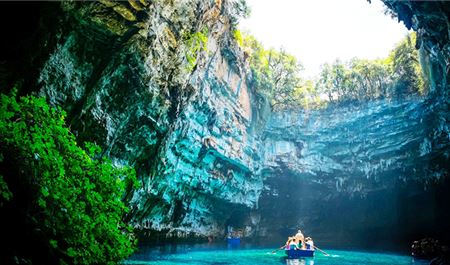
[[276, 76], [407, 68], [284, 72], [60, 203], [369, 79], [275, 73], [325, 82], [239, 9], [398, 75], [339, 79]]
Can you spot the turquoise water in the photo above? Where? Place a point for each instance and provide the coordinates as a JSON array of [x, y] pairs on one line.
[[260, 256]]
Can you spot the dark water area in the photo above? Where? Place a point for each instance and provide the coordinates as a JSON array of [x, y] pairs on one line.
[[245, 254]]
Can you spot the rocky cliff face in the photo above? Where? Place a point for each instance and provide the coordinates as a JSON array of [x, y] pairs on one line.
[[356, 172], [351, 148], [162, 86]]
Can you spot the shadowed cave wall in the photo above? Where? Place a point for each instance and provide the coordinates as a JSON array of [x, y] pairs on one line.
[[207, 149]]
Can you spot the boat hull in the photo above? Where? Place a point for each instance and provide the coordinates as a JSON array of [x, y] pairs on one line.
[[299, 253], [233, 241]]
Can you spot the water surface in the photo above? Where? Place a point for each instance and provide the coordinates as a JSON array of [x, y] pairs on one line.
[[208, 255]]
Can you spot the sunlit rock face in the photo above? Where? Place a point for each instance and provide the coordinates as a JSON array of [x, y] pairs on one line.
[[207, 161], [121, 71]]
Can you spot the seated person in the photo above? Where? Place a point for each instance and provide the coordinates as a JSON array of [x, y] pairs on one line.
[[309, 243], [295, 244], [299, 235], [287, 244]]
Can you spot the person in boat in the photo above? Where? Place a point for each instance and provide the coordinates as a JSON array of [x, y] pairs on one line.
[[309, 243], [300, 238], [291, 243], [294, 244], [287, 244], [300, 235]]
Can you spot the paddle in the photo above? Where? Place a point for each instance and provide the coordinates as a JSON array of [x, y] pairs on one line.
[[326, 254], [275, 251]]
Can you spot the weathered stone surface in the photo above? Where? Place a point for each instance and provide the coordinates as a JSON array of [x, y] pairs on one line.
[[349, 146], [336, 158], [186, 132]]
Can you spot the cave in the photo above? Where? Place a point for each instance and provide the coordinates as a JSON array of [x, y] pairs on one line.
[[167, 89]]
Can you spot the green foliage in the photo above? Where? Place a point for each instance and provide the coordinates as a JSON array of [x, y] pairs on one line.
[[285, 75], [75, 194], [355, 80], [5, 193], [406, 67], [196, 43], [397, 76], [239, 9], [275, 73], [308, 97], [237, 35], [276, 76]]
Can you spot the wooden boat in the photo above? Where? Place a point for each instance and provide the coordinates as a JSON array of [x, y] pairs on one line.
[[299, 253]]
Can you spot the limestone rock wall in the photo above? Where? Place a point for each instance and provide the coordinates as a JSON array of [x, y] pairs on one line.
[[351, 148], [207, 161], [137, 78], [431, 21]]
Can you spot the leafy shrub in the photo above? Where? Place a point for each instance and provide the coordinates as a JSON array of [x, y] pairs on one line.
[[237, 35], [195, 42], [69, 197]]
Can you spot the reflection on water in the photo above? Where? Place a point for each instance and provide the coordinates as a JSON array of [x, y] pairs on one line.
[[300, 261]]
